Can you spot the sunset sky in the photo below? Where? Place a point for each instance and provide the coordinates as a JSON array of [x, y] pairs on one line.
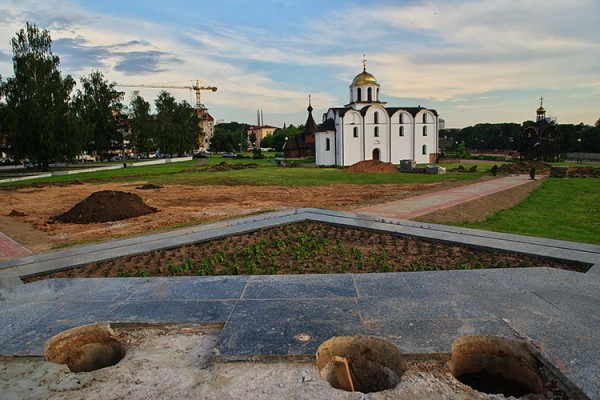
[[471, 60]]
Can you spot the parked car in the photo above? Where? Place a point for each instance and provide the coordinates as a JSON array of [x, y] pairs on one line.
[[229, 154], [199, 155]]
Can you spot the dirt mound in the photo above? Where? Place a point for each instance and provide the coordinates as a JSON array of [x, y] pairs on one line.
[[105, 206], [149, 186], [372, 166], [15, 213], [223, 166], [524, 167], [460, 168], [584, 172]]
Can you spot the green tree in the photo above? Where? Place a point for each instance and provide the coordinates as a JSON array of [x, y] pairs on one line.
[[461, 150], [142, 124], [187, 129], [229, 136], [99, 106], [165, 121], [36, 112]]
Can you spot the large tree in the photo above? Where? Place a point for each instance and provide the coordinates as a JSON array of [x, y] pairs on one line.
[[142, 125], [37, 111], [177, 125], [99, 105]]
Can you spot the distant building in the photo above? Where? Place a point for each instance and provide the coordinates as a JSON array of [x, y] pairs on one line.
[[366, 129], [540, 141], [302, 145], [208, 129], [260, 132]]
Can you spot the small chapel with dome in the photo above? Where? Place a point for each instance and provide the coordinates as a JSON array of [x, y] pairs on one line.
[[367, 129]]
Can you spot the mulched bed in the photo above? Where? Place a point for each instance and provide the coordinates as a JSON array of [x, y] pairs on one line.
[[305, 248], [105, 206]]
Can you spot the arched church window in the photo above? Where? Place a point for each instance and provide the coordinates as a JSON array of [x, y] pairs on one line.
[[377, 98], [327, 144], [425, 118], [376, 118], [376, 131], [401, 118], [424, 131], [356, 131], [358, 94], [424, 149], [401, 131], [370, 94]]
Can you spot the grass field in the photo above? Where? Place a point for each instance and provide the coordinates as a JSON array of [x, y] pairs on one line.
[[566, 209]]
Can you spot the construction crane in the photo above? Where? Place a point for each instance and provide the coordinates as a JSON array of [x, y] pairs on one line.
[[195, 87]]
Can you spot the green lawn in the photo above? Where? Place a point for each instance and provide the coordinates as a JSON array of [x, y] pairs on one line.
[[567, 209], [267, 173]]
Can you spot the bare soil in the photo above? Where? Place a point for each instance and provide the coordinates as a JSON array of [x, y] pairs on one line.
[[32, 207]]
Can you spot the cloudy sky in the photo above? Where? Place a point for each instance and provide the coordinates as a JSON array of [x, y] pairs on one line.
[[472, 60]]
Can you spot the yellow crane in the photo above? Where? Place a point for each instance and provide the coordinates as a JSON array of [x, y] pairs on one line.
[[196, 87]]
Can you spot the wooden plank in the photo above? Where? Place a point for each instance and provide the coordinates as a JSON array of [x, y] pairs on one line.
[[342, 372]]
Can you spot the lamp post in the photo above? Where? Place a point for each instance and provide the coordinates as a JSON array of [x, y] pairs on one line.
[[579, 160]]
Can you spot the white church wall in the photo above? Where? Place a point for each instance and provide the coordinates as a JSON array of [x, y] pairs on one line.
[[376, 134], [324, 153], [401, 146], [425, 133]]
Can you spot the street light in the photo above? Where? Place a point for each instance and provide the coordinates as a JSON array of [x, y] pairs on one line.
[[579, 160]]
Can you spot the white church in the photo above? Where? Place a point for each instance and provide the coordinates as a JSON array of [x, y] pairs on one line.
[[366, 129]]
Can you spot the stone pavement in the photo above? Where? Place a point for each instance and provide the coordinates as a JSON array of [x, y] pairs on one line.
[[271, 316], [420, 205]]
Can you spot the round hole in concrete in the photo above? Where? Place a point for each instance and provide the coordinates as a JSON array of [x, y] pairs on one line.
[[360, 363], [85, 348], [496, 365]]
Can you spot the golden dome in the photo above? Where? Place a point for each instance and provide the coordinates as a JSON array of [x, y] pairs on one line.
[[541, 110], [364, 78]]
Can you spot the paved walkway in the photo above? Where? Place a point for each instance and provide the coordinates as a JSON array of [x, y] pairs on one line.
[[9, 248], [420, 205]]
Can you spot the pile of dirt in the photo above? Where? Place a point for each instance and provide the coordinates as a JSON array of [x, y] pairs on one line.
[[372, 166], [15, 213], [460, 168], [105, 206], [223, 166], [524, 167], [149, 186], [584, 172]]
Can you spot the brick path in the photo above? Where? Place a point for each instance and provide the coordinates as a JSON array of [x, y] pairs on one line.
[[9, 248], [420, 205]]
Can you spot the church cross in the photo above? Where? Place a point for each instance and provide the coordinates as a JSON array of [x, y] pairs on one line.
[[364, 62]]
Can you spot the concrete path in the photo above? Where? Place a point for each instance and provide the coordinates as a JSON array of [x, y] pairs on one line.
[[420, 205]]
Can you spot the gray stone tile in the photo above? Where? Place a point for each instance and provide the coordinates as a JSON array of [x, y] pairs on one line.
[[504, 280], [61, 317], [430, 306], [578, 307], [382, 285], [270, 327], [182, 288], [169, 311], [300, 287], [433, 335], [20, 319]]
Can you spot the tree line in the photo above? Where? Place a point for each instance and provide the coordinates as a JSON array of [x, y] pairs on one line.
[[506, 136], [44, 120]]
